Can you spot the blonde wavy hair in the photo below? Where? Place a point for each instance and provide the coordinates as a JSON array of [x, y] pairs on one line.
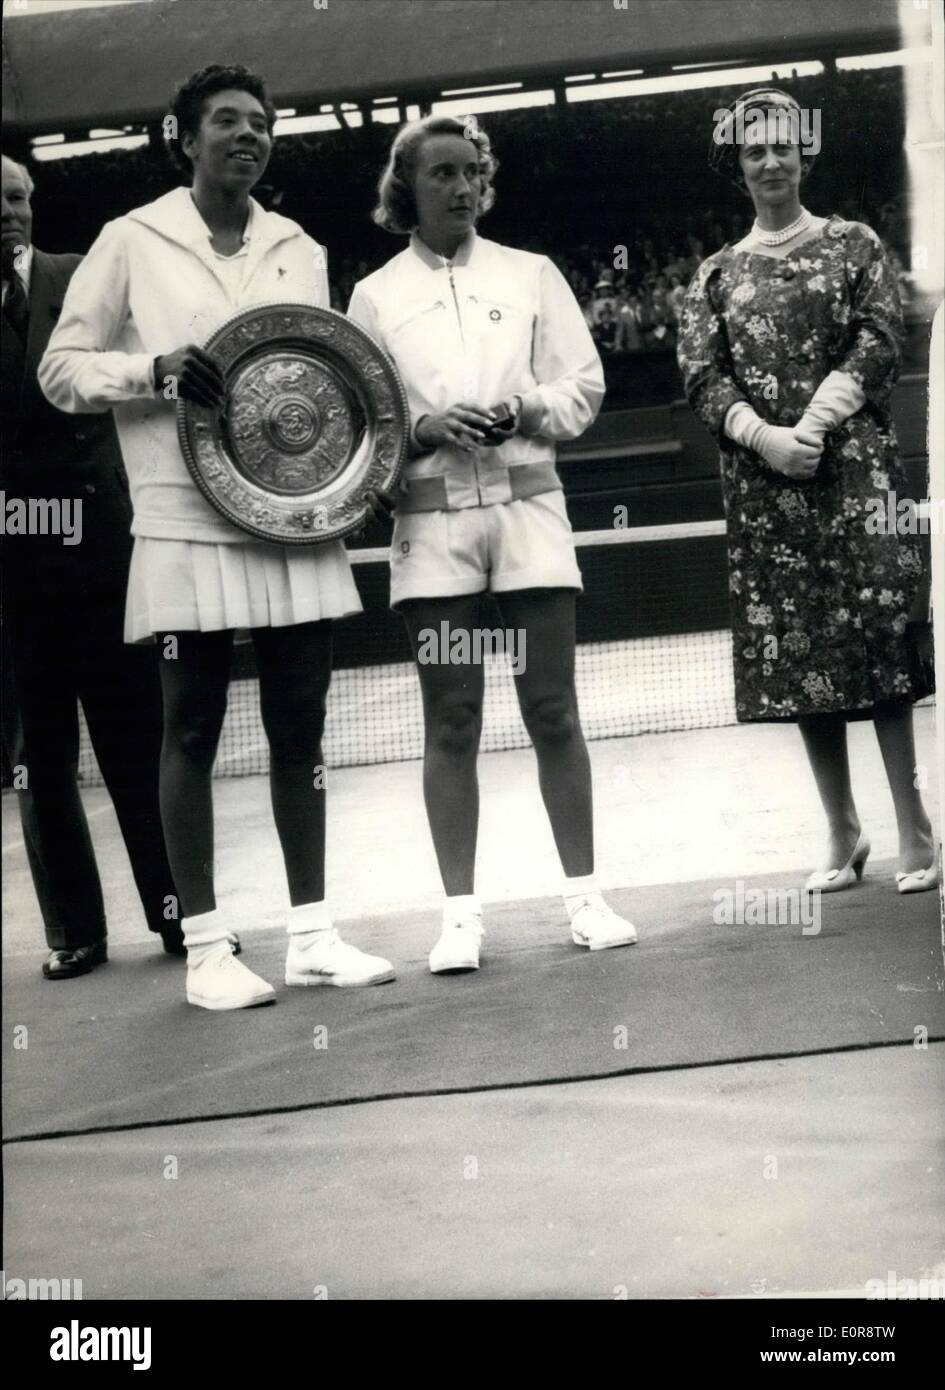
[[396, 209]]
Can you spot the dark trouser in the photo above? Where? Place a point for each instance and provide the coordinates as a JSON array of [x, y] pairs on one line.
[[63, 639]]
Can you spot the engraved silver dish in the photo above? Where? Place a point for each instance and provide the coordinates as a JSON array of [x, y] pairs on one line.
[[315, 415]]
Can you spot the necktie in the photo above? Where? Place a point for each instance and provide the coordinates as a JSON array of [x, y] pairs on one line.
[[16, 309]]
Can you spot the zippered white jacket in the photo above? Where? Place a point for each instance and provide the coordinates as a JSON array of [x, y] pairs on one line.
[[148, 286], [492, 323]]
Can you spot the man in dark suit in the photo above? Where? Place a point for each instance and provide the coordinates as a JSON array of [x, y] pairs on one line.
[[64, 594]]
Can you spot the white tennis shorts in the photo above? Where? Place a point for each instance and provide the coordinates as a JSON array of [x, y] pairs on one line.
[[527, 544]]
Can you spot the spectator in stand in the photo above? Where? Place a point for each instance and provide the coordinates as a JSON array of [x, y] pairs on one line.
[[663, 334], [676, 297], [605, 295], [646, 320], [675, 265], [629, 329], [606, 331]]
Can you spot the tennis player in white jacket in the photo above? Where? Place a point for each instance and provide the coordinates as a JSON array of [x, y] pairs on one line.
[[498, 364], [154, 286]]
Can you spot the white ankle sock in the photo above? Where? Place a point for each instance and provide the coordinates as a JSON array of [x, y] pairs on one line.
[[307, 924], [205, 935], [456, 909], [580, 890]]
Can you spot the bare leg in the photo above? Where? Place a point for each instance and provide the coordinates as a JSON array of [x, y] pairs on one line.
[[896, 742], [825, 738], [452, 716], [543, 620]]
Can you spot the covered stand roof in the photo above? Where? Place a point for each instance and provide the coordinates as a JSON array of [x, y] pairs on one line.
[[113, 66]]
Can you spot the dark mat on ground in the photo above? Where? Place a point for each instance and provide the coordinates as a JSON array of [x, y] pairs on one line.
[[120, 1047], [755, 1179]]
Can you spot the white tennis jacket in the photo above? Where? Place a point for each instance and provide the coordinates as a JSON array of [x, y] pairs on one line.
[[492, 323], [147, 287]]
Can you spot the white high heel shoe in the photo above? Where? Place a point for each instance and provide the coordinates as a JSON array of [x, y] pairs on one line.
[[920, 880], [834, 880]]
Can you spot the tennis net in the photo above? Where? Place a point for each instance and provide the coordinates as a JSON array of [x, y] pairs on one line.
[[653, 655]]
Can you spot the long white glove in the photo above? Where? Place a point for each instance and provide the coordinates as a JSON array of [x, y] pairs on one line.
[[779, 447], [745, 426], [837, 398]]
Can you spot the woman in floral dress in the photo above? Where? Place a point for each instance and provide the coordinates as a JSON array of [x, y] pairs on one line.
[[789, 347]]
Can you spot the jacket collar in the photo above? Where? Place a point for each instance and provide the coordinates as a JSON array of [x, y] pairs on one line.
[[464, 252], [175, 217]]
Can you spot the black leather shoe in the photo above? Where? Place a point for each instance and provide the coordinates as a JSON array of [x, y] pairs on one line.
[[64, 965]]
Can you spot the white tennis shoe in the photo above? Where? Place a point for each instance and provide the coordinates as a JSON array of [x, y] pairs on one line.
[[597, 926], [458, 947], [220, 981], [330, 961]]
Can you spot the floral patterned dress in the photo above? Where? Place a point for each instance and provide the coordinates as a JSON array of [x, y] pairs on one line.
[[820, 592]]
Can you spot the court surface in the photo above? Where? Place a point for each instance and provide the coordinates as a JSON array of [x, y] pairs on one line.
[[717, 1111]]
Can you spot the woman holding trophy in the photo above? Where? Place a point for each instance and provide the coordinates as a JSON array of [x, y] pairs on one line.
[[156, 283], [498, 364]]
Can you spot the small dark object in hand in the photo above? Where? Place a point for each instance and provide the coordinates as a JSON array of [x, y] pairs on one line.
[[504, 423]]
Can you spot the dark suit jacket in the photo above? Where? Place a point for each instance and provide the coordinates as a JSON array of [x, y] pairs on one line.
[[62, 632], [47, 453]]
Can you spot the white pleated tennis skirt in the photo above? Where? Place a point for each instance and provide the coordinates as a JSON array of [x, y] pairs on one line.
[[198, 586]]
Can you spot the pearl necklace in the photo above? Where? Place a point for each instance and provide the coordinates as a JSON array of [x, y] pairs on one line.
[[786, 233]]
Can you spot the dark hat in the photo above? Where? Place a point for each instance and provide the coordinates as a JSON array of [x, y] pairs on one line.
[[724, 141]]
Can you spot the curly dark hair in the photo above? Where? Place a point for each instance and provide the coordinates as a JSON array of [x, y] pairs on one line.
[[187, 103]]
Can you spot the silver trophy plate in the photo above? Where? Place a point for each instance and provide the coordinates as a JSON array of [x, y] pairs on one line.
[[315, 415]]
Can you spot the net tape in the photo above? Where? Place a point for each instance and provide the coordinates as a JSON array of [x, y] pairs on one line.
[[653, 684]]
